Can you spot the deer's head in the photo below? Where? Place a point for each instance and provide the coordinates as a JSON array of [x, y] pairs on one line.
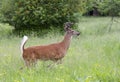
[[69, 31]]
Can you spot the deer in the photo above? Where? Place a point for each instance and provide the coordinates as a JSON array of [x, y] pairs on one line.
[[54, 52]]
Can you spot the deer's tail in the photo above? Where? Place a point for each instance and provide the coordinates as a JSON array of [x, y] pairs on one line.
[[25, 38]]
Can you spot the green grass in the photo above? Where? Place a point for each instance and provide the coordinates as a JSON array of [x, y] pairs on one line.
[[94, 56]]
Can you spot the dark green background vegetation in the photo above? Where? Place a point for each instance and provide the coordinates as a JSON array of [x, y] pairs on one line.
[[39, 14]]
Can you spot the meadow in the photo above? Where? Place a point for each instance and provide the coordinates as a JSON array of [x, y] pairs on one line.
[[94, 56]]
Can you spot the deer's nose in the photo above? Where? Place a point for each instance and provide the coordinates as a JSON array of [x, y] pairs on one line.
[[78, 33]]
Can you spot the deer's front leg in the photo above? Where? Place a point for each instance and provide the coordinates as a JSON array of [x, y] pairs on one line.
[[59, 62], [55, 62]]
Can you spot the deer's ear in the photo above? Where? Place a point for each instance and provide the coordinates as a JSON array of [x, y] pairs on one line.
[[67, 25], [66, 28]]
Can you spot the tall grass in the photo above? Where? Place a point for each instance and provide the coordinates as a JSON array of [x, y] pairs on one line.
[[94, 56]]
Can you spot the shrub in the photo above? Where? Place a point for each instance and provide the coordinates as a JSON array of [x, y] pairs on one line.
[[110, 7], [103, 7], [40, 13], [6, 10]]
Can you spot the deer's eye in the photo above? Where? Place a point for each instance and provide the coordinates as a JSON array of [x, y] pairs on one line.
[[72, 31]]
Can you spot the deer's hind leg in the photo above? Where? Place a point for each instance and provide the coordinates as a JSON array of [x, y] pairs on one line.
[[32, 60], [30, 63], [27, 63]]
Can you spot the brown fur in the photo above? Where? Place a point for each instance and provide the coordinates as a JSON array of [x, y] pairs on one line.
[[52, 52]]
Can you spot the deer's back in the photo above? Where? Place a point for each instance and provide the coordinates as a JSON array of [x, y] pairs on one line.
[[49, 52]]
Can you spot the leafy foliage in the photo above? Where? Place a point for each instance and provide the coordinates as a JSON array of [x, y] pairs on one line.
[[110, 7], [103, 7], [44, 13], [26, 14]]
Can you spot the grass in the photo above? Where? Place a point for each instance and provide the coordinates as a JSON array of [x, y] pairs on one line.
[[94, 56]]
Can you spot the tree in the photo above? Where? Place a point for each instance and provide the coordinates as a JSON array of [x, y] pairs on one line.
[[103, 7], [40, 13]]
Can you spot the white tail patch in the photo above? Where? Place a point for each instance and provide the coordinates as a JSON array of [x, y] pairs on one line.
[[25, 38]]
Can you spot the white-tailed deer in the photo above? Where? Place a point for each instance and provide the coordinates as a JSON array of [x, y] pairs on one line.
[[54, 52]]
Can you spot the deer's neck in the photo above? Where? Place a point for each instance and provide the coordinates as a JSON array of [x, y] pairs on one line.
[[66, 41]]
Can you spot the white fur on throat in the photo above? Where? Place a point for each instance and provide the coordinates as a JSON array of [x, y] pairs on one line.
[[25, 38]]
